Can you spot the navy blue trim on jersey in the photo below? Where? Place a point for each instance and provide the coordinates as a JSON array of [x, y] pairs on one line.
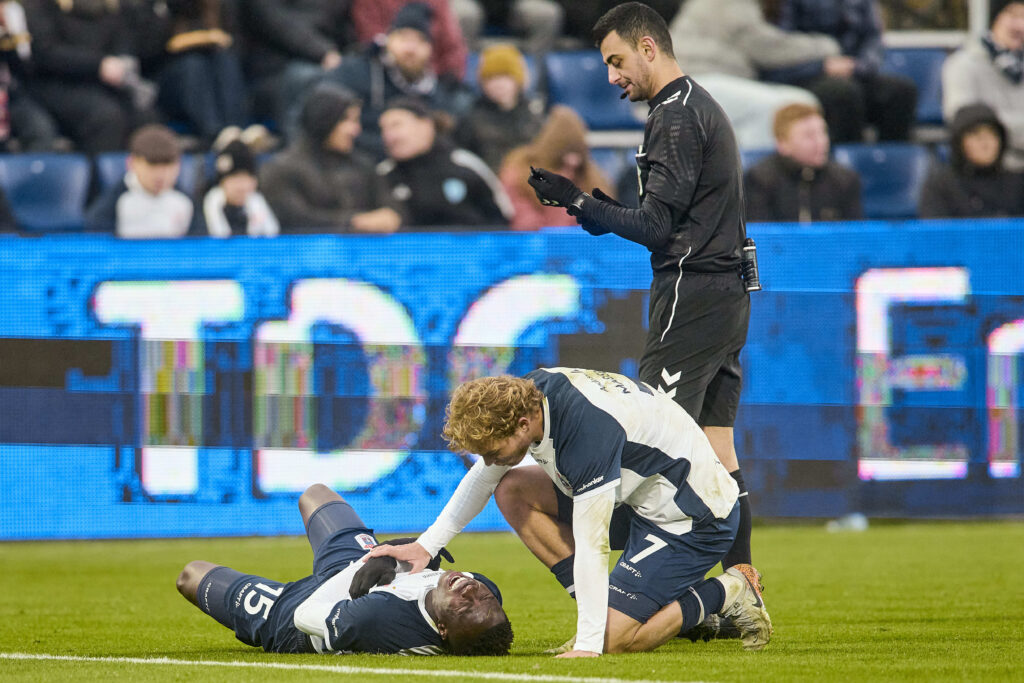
[[588, 441], [379, 622], [647, 461]]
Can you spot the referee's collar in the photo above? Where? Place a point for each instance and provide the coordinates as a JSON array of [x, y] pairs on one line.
[[668, 91]]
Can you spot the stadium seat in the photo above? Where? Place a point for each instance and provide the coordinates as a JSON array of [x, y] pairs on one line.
[[613, 161], [111, 166], [750, 157], [580, 80], [47, 192], [891, 176], [924, 67]]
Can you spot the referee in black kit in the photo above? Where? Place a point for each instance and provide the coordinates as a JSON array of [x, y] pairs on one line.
[[691, 219]]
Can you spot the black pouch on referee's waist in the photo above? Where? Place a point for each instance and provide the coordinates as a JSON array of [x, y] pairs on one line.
[[751, 277]]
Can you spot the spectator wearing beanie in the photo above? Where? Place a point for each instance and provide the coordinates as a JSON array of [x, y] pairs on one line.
[[974, 183], [234, 205], [503, 116], [146, 203], [320, 183], [990, 69], [371, 19], [399, 67]]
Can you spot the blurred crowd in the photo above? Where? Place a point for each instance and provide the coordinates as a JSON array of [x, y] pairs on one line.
[[373, 116]]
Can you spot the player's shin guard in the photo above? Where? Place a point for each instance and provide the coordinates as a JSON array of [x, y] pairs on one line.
[[699, 601], [740, 551], [563, 572]]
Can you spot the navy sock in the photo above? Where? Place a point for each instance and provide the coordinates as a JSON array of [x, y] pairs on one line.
[[739, 553], [563, 572], [699, 601]]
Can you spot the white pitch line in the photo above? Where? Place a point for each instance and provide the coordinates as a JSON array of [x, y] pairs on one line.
[[330, 668]]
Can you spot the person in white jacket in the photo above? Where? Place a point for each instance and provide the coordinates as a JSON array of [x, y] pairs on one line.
[[619, 465], [234, 206]]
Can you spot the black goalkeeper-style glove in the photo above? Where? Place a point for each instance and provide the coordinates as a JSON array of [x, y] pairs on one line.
[[380, 571], [553, 189]]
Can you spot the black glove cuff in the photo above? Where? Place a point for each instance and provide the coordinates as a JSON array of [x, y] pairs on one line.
[[576, 207]]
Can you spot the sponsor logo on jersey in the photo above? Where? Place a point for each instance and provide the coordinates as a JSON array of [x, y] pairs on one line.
[[366, 541], [592, 482], [632, 570], [241, 592]]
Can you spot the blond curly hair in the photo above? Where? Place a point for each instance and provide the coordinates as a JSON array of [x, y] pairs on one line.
[[483, 411]]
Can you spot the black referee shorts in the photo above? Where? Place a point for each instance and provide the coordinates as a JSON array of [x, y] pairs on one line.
[[697, 328]]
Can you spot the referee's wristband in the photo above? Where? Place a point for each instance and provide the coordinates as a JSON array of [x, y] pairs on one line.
[[576, 207]]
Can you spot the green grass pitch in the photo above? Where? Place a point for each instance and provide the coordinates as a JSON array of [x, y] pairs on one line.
[[915, 601]]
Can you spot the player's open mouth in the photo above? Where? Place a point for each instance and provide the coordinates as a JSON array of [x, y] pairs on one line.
[[457, 581]]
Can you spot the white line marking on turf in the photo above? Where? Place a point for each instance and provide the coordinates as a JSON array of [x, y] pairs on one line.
[[331, 668]]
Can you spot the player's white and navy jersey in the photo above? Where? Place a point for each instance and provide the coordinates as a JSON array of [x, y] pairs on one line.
[[390, 619], [602, 430]]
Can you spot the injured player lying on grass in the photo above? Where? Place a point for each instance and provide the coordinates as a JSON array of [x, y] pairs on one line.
[[347, 605]]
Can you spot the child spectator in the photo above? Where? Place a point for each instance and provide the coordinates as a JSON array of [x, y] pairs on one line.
[[502, 117], [561, 147], [990, 69], [974, 183], [234, 206], [799, 182], [145, 203], [436, 183]]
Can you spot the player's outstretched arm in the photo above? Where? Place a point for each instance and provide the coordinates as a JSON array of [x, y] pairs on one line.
[[413, 553]]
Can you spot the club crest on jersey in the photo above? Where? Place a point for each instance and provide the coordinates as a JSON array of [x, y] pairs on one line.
[[366, 541]]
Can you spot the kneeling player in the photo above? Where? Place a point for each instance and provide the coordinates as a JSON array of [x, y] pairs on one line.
[[619, 466], [350, 606]]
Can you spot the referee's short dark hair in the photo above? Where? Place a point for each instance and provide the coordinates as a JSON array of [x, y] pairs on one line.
[[632, 21]]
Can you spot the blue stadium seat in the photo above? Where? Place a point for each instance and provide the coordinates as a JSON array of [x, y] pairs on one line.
[[613, 161], [580, 80], [473, 66], [47, 192], [111, 166], [924, 67], [750, 157], [891, 176]]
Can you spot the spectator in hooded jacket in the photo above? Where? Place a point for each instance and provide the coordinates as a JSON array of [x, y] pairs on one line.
[[990, 69], [974, 183], [799, 182], [561, 146], [145, 203], [437, 184], [320, 183], [503, 116], [850, 86], [234, 205]]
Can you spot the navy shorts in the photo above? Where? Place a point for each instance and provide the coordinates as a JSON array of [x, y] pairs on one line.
[[260, 610], [656, 567]]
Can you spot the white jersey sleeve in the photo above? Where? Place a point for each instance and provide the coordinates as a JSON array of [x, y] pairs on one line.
[[467, 502], [591, 516]]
